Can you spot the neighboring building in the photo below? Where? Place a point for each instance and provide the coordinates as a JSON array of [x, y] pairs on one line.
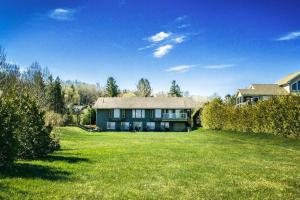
[[255, 92], [144, 113]]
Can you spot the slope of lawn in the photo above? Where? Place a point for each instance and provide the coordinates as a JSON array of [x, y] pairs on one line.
[[198, 165]]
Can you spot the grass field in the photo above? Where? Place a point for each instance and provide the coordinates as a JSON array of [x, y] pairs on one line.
[[198, 165]]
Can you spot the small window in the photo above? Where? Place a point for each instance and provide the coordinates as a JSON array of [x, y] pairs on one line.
[[294, 87], [151, 125], [111, 125], [110, 113], [123, 114], [137, 126], [116, 113], [151, 114], [125, 125], [157, 113], [137, 113], [165, 125]]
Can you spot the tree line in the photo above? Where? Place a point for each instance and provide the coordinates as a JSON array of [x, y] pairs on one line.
[[33, 101]]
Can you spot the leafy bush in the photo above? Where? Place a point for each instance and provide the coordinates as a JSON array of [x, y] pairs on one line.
[[53, 119], [88, 116], [34, 137], [8, 139], [23, 133], [278, 115]]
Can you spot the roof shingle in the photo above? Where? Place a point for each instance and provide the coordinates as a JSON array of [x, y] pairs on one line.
[[264, 89], [145, 103], [285, 80]]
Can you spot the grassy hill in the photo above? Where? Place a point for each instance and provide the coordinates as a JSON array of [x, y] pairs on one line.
[[198, 165]]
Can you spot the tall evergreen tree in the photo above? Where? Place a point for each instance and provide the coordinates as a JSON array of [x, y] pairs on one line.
[[175, 90], [55, 97], [112, 89], [144, 88], [59, 97]]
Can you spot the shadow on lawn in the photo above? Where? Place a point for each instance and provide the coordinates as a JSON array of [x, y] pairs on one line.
[[24, 170], [69, 159]]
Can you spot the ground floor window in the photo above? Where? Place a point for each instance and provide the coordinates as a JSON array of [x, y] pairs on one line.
[[111, 125], [125, 125], [137, 126], [164, 125], [151, 125]]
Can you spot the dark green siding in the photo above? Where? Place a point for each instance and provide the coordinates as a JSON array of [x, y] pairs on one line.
[[106, 115]]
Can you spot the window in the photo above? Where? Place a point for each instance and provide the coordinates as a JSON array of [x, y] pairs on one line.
[[110, 113], [123, 114], [151, 125], [298, 85], [164, 125], [111, 125], [157, 113], [116, 113], [137, 113], [125, 125], [151, 114], [137, 126], [294, 87]]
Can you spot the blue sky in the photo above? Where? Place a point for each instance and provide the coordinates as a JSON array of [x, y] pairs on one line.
[[207, 46]]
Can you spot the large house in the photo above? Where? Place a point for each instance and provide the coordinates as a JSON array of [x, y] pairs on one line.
[[255, 92], [144, 113]]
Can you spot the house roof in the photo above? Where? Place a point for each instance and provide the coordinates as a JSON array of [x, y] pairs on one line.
[[263, 89], [287, 79], [145, 103]]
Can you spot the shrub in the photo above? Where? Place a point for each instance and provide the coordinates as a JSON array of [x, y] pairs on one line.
[[88, 116], [53, 119], [33, 136], [278, 115], [8, 139]]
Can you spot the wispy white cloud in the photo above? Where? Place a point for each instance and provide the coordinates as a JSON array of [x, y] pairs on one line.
[[183, 26], [290, 36], [62, 14], [181, 18], [180, 68], [162, 42], [179, 39], [220, 66], [162, 50], [159, 36]]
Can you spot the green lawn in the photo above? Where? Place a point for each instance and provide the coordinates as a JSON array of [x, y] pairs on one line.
[[198, 165]]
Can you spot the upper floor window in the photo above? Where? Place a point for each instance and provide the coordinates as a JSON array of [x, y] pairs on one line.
[[138, 113], [151, 114], [296, 86], [123, 113], [157, 113], [116, 113]]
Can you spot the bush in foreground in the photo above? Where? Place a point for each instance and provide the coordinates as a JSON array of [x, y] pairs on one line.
[[23, 133]]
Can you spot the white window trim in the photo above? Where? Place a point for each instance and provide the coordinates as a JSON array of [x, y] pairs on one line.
[[140, 111]]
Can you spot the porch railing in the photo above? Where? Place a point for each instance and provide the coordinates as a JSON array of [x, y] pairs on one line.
[[174, 116]]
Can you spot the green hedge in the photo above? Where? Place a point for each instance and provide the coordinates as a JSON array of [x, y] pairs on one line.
[[278, 115]]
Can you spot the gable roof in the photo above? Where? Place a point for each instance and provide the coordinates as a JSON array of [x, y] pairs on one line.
[[287, 79], [145, 103], [263, 89]]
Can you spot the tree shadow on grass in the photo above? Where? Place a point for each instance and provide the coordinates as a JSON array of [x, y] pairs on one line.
[[25, 170], [69, 159]]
